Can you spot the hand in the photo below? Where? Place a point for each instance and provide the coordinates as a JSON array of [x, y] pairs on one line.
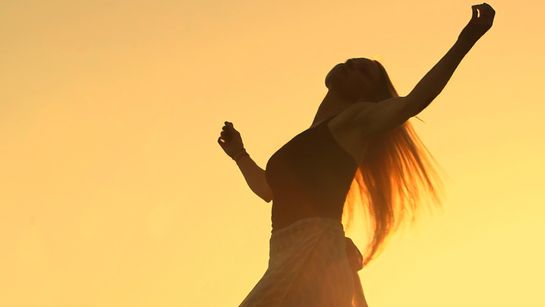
[[478, 26], [230, 140]]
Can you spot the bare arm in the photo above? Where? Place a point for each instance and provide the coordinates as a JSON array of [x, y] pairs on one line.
[[436, 79], [255, 177], [373, 118], [231, 142]]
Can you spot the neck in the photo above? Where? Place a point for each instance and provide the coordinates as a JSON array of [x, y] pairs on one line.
[[331, 105]]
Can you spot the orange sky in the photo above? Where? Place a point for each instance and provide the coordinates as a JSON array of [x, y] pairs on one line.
[[114, 191]]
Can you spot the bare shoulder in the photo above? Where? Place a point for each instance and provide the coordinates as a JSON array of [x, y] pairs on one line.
[[353, 127], [347, 134]]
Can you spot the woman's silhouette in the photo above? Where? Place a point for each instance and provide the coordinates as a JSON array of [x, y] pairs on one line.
[[360, 139]]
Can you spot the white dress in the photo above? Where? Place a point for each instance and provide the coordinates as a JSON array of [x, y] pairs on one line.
[[311, 264]]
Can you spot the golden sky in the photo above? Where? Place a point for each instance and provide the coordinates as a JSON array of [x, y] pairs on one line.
[[114, 191]]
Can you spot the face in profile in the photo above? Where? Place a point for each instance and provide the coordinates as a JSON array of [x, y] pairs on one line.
[[355, 80]]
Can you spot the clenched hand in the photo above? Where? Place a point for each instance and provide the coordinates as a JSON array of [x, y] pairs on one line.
[[230, 140], [478, 25]]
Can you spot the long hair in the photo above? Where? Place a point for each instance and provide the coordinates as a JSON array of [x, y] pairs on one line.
[[396, 172]]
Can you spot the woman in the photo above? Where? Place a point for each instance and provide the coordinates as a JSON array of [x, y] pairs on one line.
[[360, 139]]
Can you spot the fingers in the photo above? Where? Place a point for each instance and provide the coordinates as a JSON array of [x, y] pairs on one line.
[[228, 126], [483, 9], [226, 132], [488, 11], [227, 129]]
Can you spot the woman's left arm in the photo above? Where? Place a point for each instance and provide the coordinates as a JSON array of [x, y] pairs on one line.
[[436, 79]]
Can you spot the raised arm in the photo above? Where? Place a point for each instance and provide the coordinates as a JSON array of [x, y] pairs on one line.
[[431, 85], [377, 117], [435, 80]]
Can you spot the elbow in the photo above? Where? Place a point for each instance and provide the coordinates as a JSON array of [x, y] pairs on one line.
[[267, 193], [267, 196]]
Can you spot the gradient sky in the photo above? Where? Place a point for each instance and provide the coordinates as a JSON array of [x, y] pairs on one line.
[[114, 191]]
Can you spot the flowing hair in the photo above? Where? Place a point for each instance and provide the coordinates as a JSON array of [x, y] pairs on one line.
[[390, 180]]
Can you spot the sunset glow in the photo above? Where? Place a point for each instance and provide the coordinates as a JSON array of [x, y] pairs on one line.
[[114, 191]]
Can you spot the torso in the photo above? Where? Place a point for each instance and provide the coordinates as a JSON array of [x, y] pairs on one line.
[[345, 129]]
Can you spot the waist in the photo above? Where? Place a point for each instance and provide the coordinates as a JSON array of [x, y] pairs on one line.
[[283, 216], [304, 230]]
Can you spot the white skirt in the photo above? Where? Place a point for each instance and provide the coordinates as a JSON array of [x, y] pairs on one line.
[[311, 264]]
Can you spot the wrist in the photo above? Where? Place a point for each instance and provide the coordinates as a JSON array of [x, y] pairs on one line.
[[465, 43], [462, 47], [242, 157], [239, 155]]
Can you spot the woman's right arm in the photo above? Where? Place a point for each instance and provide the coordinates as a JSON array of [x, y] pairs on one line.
[[255, 177], [230, 141]]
